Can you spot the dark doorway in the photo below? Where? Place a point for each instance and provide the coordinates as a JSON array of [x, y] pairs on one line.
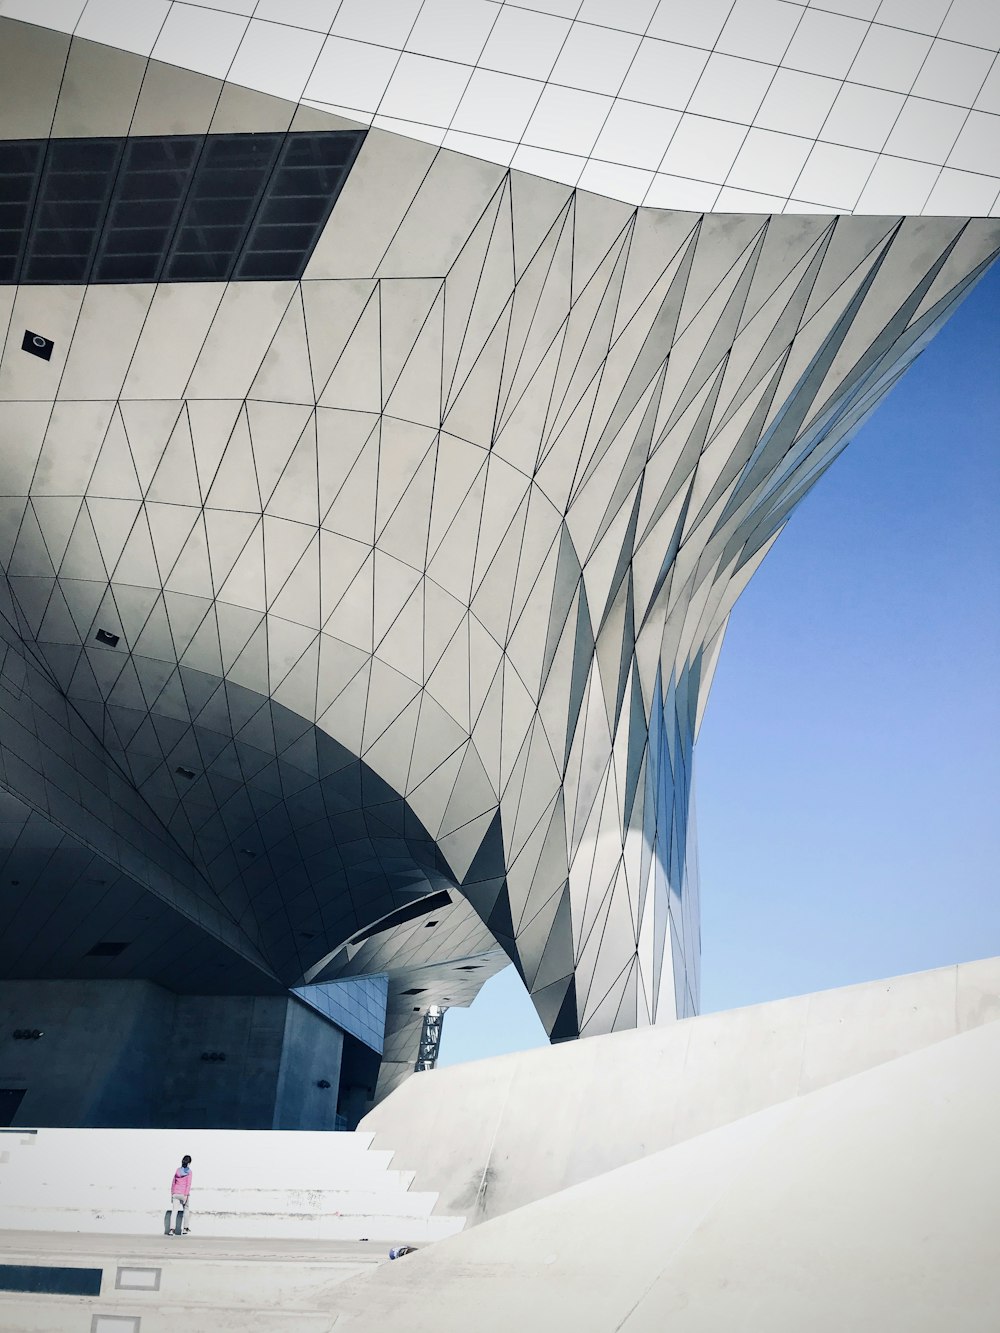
[[10, 1100]]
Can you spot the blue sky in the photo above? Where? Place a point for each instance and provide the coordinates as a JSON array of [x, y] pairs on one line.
[[848, 769]]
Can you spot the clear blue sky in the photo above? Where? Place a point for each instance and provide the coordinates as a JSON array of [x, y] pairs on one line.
[[848, 771]]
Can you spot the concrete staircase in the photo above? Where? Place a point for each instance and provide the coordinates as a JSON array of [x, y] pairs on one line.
[[266, 1185]]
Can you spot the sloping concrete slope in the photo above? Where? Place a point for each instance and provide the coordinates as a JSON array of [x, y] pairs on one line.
[[496, 1134], [871, 1205]]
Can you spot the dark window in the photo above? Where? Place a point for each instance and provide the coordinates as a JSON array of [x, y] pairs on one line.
[[190, 208], [233, 173], [155, 178], [107, 949], [431, 902], [10, 1100], [20, 168], [50, 1280], [77, 179]]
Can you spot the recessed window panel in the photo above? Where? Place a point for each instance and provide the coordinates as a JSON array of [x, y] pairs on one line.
[[302, 191], [182, 208], [20, 167]]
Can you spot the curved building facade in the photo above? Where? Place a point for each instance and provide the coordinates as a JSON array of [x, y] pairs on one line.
[[370, 516]]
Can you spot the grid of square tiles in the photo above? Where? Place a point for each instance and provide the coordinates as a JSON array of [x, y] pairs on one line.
[[873, 106], [356, 1004]]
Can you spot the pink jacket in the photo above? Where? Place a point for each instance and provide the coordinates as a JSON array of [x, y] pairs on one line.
[[181, 1183]]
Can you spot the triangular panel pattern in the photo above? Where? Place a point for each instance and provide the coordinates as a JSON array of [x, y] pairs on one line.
[[434, 606]]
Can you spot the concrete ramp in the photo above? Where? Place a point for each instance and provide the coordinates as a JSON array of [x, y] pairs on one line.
[[497, 1134], [871, 1205], [822, 1164]]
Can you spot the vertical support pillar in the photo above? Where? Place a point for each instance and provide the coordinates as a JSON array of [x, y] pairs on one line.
[[430, 1038]]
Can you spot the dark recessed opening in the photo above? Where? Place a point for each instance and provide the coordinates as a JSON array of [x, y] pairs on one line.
[[428, 924], [107, 949], [48, 1279], [416, 990], [431, 902], [167, 208], [184, 772], [105, 636], [470, 967]]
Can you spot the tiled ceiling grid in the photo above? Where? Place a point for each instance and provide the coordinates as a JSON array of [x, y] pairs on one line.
[[61, 903], [870, 106]]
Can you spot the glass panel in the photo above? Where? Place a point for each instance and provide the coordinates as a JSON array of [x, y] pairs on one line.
[[73, 197], [153, 183], [299, 199], [229, 181], [175, 208]]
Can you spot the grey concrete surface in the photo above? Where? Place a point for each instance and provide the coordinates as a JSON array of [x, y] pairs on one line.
[[871, 1205], [496, 1134], [128, 1053], [203, 1284]]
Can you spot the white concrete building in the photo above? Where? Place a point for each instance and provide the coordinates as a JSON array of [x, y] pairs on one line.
[[395, 399]]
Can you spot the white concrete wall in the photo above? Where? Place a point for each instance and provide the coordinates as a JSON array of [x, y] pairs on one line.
[[872, 1205], [249, 1183], [496, 1134]]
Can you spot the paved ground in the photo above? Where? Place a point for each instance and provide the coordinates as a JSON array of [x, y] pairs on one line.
[[202, 1285], [50, 1246]]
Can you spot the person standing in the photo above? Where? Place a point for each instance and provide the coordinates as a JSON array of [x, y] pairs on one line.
[[180, 1199]]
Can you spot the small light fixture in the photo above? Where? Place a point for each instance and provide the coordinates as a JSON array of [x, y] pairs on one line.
[[106, 637], [37, 345]]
